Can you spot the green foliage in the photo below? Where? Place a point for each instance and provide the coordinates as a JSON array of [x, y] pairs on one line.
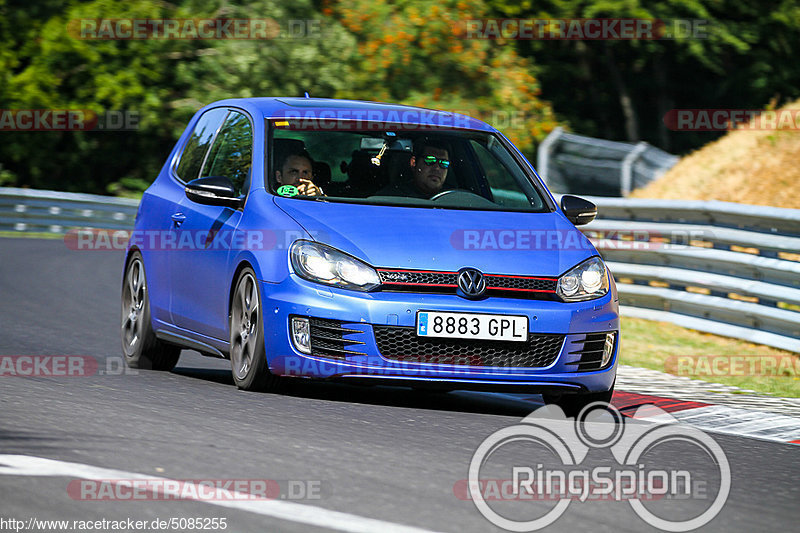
[[410, 51], [7, 178], [163, 81], [313, 58], [414, 52], [128, 187], [745, 59]]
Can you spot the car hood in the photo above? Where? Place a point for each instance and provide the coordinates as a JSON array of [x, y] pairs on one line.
[[544, 244]]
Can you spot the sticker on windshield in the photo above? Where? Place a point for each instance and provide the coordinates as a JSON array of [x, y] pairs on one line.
[[288, 190]]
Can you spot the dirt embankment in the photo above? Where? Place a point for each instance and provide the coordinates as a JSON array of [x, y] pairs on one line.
[[747, 166]]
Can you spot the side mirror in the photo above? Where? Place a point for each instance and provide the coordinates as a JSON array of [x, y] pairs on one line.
[[577, 210], [213, 190]]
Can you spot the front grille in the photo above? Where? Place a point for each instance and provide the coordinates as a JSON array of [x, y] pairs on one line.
[[521, 283], [590, 349], [328, 339], [418, 277], [506, 286], [402, 344]]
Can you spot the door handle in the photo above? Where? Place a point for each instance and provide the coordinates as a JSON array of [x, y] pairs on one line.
[[178, 219]]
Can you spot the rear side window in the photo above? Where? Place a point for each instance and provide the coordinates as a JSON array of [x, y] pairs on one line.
[[232, 153], [197, 147]]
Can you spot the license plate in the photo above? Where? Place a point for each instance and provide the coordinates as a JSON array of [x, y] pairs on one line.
[[472, 326]]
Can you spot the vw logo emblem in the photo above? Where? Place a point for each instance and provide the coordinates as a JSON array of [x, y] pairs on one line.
[[471, 282]]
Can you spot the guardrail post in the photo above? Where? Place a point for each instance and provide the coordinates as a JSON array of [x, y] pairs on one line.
[[626, 180], [543, 153]]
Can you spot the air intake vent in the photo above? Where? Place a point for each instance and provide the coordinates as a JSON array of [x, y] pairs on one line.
[[328, 339], [591, 349]]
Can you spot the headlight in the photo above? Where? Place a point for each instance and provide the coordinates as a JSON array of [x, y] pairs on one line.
[[586, 281], [323, 264]]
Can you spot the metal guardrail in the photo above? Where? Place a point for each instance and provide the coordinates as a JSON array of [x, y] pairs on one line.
[[576, 164], [36, 211], [717, 267]]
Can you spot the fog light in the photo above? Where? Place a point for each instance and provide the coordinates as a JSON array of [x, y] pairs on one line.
[[301, 334], [608, 349]]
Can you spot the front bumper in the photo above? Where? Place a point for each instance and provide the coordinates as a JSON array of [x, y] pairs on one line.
[[360, 314]]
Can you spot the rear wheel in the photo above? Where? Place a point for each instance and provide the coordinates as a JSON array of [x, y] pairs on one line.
[[139, 343], [248, 358]]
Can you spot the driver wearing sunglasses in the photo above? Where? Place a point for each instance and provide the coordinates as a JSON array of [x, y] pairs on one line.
[[430, 169], [429, 166]]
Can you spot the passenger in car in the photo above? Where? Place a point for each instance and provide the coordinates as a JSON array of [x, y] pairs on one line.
[[297, 169], [429, 166]]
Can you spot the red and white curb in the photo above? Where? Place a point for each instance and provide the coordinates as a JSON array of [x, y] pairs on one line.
[[713, 418], [710, 407], [655, 383]]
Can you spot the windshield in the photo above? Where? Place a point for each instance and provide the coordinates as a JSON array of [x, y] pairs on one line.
[[454, 169]]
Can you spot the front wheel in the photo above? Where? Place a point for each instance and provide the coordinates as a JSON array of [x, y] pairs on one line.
[[139, 343], [248, 359]]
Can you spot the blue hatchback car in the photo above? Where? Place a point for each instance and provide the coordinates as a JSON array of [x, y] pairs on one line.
[[367, 243]]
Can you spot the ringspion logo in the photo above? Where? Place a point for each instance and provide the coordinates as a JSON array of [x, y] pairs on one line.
[[560, 445]]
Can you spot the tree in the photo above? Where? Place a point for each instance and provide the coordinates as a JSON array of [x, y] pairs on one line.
[[164, 82], [622, 89], [415, 52]]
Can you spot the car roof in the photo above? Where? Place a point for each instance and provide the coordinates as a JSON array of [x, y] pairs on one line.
[[331, 109]]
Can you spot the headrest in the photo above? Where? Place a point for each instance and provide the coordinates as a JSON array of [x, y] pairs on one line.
[[284, 147]]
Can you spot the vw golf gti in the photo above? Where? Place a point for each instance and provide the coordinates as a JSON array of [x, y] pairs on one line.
[[368, 243]]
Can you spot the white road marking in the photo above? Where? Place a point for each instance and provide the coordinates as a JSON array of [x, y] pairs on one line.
[[25, 465]]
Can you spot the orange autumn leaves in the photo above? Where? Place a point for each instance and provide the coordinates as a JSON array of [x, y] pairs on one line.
[[416, 53]]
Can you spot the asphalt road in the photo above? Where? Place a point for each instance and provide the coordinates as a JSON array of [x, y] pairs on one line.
[[388, 454]]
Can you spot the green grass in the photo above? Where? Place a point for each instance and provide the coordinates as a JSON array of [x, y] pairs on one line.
[[659, 345]]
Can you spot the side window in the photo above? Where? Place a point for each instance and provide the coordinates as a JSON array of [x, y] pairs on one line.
[[232, 153], [327, 148], [505, 190], [197, 146]]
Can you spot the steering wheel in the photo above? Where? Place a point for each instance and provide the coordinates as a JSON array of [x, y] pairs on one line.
[[448, 191]]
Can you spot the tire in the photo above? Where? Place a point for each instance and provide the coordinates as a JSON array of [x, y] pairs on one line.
[[572, 404], [140, 346], [248, 358]]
